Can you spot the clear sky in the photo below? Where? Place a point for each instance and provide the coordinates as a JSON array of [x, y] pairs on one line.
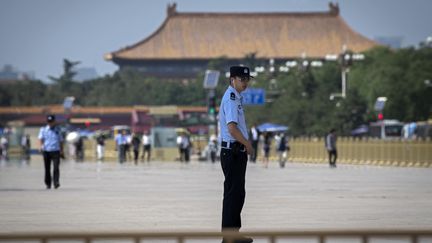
[[35, 35]]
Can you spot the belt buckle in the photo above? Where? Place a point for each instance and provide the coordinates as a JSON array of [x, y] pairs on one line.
[[227, 144]]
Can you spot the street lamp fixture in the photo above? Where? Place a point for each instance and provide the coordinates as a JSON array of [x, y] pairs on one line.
[[316, 64], [291, 64], [259, 69], [331, 57], [346, 59], [283, 69], [334, 95], [358, 56]]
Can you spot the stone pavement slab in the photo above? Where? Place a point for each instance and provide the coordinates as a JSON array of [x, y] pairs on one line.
[[169, 196]]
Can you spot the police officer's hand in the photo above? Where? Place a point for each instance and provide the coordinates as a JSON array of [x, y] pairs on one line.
[[249, 148]]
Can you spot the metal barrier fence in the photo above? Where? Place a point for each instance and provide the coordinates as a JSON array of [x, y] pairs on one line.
[[365, 236], [365, 151], [371, 151]]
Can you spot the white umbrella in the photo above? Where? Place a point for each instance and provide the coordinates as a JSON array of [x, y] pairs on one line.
[[72, 137]]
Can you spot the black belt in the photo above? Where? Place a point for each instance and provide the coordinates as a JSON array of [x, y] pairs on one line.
[[230, 145]]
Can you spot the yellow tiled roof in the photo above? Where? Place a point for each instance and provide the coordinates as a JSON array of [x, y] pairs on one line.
[[234, 35]]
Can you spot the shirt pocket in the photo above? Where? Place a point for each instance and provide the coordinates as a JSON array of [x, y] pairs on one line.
[[240, 111]]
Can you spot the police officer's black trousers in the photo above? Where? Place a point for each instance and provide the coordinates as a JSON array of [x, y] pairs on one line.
[[234, 169], [122, 153], [55, 158]]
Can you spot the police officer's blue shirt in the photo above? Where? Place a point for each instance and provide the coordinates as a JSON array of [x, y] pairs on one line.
[[51, 138], [121, 139], [231, 110]]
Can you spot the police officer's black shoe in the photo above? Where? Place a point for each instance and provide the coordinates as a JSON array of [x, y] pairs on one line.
[[56, 186], [239, 240], [48, 187], [244, 240]]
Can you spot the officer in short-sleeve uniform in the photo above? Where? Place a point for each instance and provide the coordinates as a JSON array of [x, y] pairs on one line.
[[51, 145], [234, 148]]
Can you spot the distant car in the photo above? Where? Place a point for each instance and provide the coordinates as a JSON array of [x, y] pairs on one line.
[[424, 129], [386, 129]]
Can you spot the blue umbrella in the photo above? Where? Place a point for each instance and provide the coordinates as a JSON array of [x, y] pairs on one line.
[[363, 129], [271, 127]]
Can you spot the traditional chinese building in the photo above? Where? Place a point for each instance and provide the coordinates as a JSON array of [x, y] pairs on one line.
[[186, 42], [139, 118]]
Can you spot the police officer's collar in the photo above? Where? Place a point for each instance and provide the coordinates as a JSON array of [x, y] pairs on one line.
[[233, 90], [51, 127]]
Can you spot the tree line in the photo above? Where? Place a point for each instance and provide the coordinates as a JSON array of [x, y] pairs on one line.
[[300, 97]]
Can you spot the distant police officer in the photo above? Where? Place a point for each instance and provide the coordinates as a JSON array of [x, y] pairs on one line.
[[234, 148], [51, 145]]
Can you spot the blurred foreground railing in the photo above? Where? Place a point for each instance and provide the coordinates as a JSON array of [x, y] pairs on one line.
[[364, 236]]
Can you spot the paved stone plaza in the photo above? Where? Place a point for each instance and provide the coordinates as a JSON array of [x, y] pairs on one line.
[[169, 196]]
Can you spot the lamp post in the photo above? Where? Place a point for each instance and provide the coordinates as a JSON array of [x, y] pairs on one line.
[[67, 106], [210, 83], [270, 71], [346, 59], [302, 63]]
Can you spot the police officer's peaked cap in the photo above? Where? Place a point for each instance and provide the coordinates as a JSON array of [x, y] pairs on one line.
[[50, 118], [239, 71]]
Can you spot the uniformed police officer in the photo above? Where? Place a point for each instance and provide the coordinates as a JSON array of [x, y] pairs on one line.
[[234, 148], [51, 146]]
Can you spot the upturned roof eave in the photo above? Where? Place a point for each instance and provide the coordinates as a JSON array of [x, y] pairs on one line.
[[114, 54]]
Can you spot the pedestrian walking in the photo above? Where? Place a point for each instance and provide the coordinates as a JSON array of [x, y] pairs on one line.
[[235, 146], [121, 141], [100, 147], [79, 149], [4, 144], [136, 143], [51, 146], [254, 137], [330, 144], [282, 149], [26, 146], [213, 148], [146, 141], [128, 145], [266, 148], [185, 147], [179, 145]]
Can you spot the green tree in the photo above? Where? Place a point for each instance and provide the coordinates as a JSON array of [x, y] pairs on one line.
[[65, 81]]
